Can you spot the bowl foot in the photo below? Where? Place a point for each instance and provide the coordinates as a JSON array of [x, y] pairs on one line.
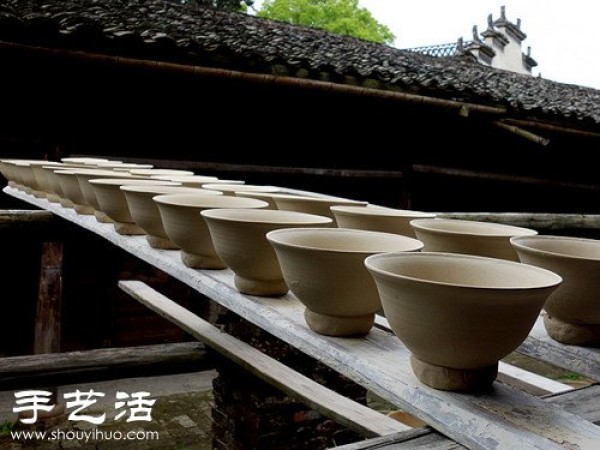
[[66, 203], [102, 217], [572, 333], [202, 261], [339, 326], [53, 198], [128, 228], [449, 379], [84, 210], [160, 242], [267, 288]]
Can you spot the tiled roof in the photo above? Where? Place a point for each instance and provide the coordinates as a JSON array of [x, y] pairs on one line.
[[165, 30]]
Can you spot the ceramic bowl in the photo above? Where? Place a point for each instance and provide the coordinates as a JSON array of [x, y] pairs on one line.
[[376, 218], [459, 314], [239, 239], [324, 268], [573, 310], [231, 189], [469, 237], [70, 187], [84, 160], [152, 172], [320, 206], [42, 184], [112, 200], [144, 210], [183, 224], [195, 181], [83, 178]]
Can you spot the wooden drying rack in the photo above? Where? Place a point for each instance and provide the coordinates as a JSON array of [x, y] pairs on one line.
[[505, 417]]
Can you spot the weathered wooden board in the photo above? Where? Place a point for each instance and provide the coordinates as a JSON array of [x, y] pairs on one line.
[[501, 418], [581, 360], [76, 367], [418, 439], [584, 402], [322, 399]]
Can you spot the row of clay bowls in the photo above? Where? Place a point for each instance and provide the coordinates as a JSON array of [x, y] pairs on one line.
[[458, 314]]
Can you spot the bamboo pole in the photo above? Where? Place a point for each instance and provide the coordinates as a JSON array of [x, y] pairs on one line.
[[278, 80], [522, 133]]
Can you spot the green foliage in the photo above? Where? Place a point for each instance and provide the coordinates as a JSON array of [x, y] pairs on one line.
[[6, 427], [570, 376], [337, 16]]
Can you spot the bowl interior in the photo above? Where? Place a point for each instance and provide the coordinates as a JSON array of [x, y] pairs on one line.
[[266, 216], [462, 270], [468, 227], [208, 201], [343, 240], [559, 246], [378, 211]]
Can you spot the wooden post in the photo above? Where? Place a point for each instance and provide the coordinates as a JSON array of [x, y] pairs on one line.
[[48, 320], [49, 304]]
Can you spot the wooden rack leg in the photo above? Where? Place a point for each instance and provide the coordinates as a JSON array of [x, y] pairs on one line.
[[48, 320]]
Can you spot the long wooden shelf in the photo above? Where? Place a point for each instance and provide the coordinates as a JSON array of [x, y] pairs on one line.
[[502, 418]]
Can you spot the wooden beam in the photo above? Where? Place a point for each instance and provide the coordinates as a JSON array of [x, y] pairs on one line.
[[102, 364], [24, 216], [417, 439], [341, 409], [537, 221]]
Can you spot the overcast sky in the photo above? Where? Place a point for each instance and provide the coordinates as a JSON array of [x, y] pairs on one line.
[[564, 35]]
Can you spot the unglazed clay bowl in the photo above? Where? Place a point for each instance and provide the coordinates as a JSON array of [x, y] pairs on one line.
[[239, 239], [153, 172], [144, 210], [324, 268], [468, 237], [45, 189], [112, 200], [459, 314], [83, 178], [84, 160], [573, 310], [231, 189], [69, 185], [313, 205], [195, 181], [184, 226], [376, 218]]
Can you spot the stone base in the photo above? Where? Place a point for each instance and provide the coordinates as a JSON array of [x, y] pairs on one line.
[[84, 210], [202, 261], [162, 243], [339, 326], [572, 333], [266, 288], [128, 229], [102, 217], [448, 379]]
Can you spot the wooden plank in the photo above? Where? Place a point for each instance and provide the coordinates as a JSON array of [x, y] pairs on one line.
[[341, 409], [546, 222], [528, 381], [584, 402], [582, 360], [420, 438], [24, 216], [108, 363], [49, 303], [502, 417]]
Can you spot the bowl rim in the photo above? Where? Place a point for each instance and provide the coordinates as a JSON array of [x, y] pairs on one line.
[[220, 214], [331, 200], [516, 243], [379, 211], [177, 189], [171, 199], [369, 263], [242, 187], [420, 224], [272, 236]]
